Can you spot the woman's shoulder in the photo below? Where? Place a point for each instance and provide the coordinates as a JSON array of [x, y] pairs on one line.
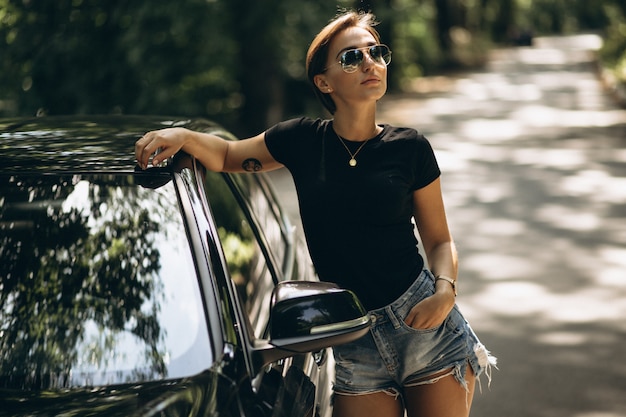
[[402, 134], [294, 137], [299, 124]]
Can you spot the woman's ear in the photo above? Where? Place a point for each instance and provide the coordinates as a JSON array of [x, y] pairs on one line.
[[322, 84]]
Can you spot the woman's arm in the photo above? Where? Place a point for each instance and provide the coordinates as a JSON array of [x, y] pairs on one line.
[[215, 153], [432, 224]]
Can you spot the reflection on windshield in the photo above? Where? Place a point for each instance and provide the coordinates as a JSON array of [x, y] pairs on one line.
[[97, 284]]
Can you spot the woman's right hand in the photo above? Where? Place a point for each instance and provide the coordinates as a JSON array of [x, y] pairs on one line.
[[162, 143], [431, 311]]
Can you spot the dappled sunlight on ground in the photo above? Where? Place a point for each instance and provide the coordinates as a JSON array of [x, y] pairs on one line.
[[533, 155]]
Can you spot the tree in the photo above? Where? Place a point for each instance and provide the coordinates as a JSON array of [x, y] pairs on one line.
[[60, 273], [238, 62]]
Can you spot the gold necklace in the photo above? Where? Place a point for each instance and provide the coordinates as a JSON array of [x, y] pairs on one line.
[[352, 161]]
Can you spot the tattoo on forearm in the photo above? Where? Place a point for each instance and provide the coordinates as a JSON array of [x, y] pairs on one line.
[[252, 165]]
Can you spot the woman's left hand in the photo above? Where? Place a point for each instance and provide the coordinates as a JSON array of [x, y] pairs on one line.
[[431, 311]]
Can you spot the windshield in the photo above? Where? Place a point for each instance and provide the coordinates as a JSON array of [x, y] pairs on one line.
[[97, 284]]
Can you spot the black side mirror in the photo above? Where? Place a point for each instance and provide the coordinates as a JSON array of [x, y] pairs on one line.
[[307, 316]]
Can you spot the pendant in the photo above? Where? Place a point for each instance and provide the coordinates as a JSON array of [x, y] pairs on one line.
[[352, 162]]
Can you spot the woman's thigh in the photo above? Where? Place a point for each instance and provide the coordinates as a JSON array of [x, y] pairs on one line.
[[379, 404], [444, 398]]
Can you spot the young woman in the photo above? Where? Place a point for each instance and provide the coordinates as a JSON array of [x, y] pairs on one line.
[[359, 186]]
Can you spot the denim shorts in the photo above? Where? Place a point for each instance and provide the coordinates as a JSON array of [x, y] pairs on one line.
[[394, 355]]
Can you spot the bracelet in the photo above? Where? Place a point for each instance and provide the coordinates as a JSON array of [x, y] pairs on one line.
[[452, 282]]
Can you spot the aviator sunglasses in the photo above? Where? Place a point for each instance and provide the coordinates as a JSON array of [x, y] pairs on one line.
[[352, 59]]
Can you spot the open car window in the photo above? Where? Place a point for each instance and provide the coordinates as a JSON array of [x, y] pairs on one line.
[[96, 277]]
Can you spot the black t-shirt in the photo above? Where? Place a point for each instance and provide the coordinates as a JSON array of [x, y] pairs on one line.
[[357, 220]]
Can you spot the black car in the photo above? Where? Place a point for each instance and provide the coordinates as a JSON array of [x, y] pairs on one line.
[[164, 292]]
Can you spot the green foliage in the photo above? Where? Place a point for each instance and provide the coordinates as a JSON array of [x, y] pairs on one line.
[[65, 273], [241, 62], [563, 16], [613, 53]]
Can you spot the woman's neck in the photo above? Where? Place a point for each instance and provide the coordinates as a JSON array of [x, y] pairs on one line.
[[356, 125]]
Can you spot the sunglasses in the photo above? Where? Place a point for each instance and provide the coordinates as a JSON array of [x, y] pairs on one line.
[[352, 59]]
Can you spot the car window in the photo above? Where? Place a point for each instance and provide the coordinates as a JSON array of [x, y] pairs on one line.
[[286, 247], [247, 262], [266, 214], [97, 283]]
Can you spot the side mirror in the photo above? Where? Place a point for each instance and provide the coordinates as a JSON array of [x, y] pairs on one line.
[[307, 316]]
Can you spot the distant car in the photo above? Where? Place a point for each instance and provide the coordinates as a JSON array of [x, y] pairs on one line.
[[165, 292]]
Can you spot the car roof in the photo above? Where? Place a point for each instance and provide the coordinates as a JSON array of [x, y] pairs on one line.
[[69, 144]]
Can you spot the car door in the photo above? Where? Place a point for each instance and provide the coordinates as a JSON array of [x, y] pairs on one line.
[[261, 250]]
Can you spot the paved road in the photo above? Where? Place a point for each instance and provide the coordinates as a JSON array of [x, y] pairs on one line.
[[534, 159]]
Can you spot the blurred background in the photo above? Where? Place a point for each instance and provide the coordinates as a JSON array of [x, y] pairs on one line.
[[241, 62], [532, 144]]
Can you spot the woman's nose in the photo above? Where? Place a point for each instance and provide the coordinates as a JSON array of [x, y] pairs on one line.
[[368, 61]]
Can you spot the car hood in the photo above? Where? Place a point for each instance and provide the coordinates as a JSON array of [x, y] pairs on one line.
[[207, 394]]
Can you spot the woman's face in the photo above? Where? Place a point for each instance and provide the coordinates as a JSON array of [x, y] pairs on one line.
[[368, 83]]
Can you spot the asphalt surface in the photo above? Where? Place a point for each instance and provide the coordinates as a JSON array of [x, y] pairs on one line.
[[533, 154]]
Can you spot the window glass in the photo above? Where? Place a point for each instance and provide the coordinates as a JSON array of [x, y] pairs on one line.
[[97, 283], [248, 267], [266, 215]]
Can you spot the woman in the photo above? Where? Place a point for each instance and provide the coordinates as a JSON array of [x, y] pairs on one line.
[[359, 185]]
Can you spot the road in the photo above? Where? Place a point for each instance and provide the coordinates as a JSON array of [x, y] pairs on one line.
[[533, 154]]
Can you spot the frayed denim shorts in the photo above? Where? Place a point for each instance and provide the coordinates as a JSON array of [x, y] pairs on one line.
[[394, 355]]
